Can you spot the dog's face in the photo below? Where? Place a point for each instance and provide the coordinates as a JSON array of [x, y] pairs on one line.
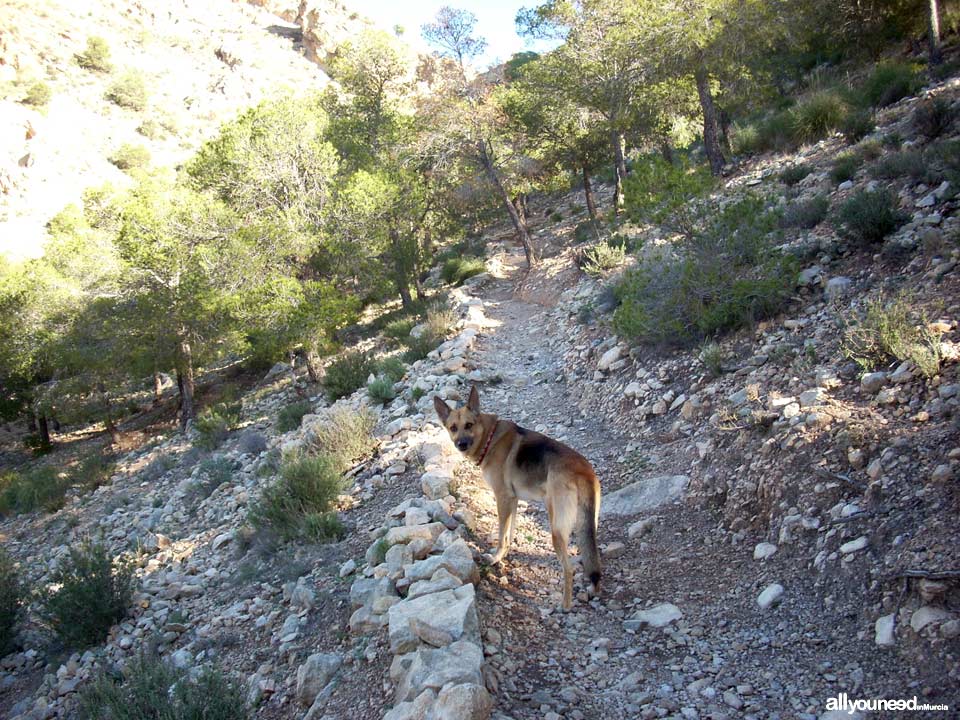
[[464, 424]]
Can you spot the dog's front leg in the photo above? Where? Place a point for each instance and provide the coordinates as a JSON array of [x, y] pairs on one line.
[[506, 517]]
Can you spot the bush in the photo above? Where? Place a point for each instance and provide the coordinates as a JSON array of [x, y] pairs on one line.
[[348, 373], [129, 156], [845, 167], [906, 163], [869, 149], [96, 57], [857, 125], [381, 391], [805, 214], [794, 174], [398, 329], [213, 473], [38, 94], [129, 91], [711, 355], [215, 423], [933, 118], [94, 469], [888, 332], [726, 275], [438, 323], [42, 487], [252, 443], [587, 231], [11, 600], [289, 417], [456, 270], [599, 259], [152, 129], [308, 486], [889, 83], [817, 116], [659, 191], [393, 368], [154, 689], [93, 593], [344, 435], [869, 216]]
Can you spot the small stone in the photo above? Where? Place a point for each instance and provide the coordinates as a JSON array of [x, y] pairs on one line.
[[942, 473], [314, 674], [837, 287], [659, 616], [872, 382], [854, 545], [927, 615], [883, 631], [348, 568], [764, 550], [640, 527], [614, 549], [770, 596]]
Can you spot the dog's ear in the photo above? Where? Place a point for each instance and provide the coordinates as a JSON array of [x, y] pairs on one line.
[[473, 402], [443, 410]]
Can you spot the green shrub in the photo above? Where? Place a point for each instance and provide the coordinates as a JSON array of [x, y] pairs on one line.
[[93, 592], [889, 83], [215, 423], [745, 139], [869, 149], [456, 270], [94, 469], [393, 368], [348, 373], [381, 391], [417, 393], [42, 487], [711, 355], [906, 163], [817, 116], [438, 323], [96, 57], [888, 331], [933, 118], [857, 125], [398, 329], [805, 214], [869, 216], [289, 416], [129, 156], [601, 258], [252, 443], [11, 600], [556, 216], [726, 275], [128, 91], [307, 485], [152, 129], [586, 231], [845, 167], [213, 473], [154, 689], [344, 435], [795, 173], [659, 191], [38, 94]]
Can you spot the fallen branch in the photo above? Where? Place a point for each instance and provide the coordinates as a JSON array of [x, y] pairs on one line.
[[839, 476]]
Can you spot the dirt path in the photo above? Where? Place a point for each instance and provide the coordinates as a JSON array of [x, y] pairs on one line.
[[724, 658]]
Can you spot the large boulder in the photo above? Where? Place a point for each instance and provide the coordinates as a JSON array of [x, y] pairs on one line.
[[453, 612], [459, 662], [314, 674], [643, 495]]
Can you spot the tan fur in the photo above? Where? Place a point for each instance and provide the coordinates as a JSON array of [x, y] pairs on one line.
[[522, 464]]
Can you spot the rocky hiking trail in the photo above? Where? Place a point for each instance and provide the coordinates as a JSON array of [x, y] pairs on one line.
[[678, 630]]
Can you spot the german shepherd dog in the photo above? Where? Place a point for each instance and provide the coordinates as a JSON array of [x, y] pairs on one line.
[[520, 464]]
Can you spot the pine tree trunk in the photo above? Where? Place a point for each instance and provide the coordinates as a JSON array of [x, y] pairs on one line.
[[588, 194], [711, 132], [44, 428], [618, 142], [519, 225], [933, 34], [185, 383], [314, 368], [111, 426], [666, 151]]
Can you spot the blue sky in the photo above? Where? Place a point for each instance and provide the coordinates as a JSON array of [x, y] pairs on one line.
[[495, 21]]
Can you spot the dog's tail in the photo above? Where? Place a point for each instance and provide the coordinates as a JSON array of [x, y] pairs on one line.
[[589, 505]]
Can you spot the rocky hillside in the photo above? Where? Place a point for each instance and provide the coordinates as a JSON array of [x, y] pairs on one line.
[[778, 523], [199, 63]]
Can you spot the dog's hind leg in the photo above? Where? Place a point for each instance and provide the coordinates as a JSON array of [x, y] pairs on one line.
[[507, 519], [562, 516]]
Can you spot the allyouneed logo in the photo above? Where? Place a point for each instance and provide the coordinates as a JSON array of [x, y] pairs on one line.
[[844, 702]]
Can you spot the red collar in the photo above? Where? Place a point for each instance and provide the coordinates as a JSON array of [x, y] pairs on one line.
[[486, 447]]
